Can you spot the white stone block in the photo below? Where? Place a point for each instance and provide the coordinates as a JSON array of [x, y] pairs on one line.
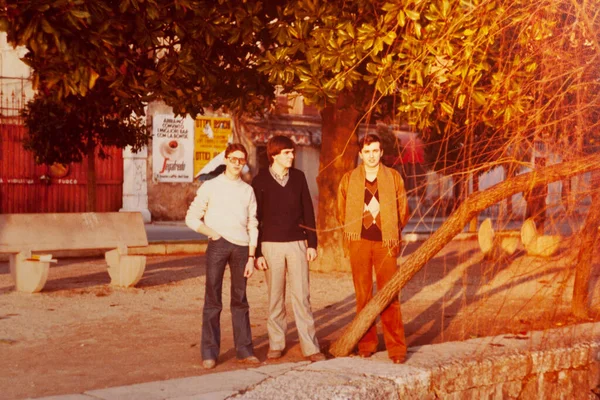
[[538, 245], [124, 270], [496, 243], [29, 275]]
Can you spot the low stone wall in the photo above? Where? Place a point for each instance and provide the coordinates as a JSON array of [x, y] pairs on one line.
[[555, 364]]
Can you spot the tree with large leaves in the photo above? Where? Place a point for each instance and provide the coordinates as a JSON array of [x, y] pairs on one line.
[[96, 64], [190, 53]]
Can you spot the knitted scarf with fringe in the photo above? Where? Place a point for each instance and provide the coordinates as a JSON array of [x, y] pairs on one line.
[[355, 203]]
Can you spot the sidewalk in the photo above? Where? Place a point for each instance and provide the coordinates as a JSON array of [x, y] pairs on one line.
[[515, 366]]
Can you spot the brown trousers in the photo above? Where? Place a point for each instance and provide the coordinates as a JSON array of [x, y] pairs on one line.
[[366, 256]]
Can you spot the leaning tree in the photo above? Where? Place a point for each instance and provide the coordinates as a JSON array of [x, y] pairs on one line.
[[537, 63]]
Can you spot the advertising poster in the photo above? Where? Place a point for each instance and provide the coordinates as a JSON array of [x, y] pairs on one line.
[[172, 148], [212, 136]]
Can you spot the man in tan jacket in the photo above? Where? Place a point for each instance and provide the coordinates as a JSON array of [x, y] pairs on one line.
[[373, 208]]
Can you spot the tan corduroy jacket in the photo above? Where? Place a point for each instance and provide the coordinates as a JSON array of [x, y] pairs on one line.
[[401, 198]]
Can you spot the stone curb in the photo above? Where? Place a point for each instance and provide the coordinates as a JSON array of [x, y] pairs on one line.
[[557, 363]]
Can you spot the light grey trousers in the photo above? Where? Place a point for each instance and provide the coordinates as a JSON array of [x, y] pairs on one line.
[[290, 258]]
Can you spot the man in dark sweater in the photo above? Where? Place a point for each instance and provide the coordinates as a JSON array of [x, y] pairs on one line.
[[287, 242]]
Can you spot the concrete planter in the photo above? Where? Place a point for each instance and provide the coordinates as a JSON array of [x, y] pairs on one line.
[[538, 245], [124, 270], [29, 275], [493, 244]]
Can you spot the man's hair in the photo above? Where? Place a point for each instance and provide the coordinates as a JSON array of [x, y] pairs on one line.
[[236, 147], [276, 144], [367, 140]]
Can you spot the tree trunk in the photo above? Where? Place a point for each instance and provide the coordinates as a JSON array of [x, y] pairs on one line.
[[458, 191], [451, 227], [240, 135], [510, 172], [473, 222], [339, 152], [588, 238], [565, 195], [90, 205]]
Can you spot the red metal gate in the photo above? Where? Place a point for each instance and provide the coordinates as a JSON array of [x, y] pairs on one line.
[[29, 188]]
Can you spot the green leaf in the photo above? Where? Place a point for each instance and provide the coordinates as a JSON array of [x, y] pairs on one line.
[[80, 14], [401, 18], [419, 105], [93, 77], [445, 8], [46, 26], [414, 15], [461, 101], [417, 29], [447, 108], [390, 7], [389, 38], [419, 77], [531, 67]]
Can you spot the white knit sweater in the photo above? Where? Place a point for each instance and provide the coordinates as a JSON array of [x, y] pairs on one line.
[[228, 207]]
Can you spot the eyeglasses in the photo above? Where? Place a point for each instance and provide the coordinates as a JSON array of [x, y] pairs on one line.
[[237, 160]]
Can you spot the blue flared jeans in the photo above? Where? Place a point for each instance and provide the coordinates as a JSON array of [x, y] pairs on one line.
[[219, 253]]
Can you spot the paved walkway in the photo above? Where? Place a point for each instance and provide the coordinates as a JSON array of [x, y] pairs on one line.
[[515, 366]]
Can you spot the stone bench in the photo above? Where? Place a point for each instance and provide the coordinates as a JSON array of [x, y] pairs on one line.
[[494, 244], [538, 245], [26, 237]]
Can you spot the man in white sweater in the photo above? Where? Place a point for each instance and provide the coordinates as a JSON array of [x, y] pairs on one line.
[[225, 210]]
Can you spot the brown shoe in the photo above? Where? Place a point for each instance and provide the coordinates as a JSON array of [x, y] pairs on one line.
[[209, 364], [317, 357], [274, 354], [249, 360]]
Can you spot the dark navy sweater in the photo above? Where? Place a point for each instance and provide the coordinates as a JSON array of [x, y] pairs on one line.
[[285, 213]]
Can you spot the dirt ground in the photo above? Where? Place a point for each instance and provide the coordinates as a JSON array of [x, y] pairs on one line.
[[81, 334]]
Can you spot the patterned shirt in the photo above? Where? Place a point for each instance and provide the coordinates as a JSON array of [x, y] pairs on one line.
[[371, 229]]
